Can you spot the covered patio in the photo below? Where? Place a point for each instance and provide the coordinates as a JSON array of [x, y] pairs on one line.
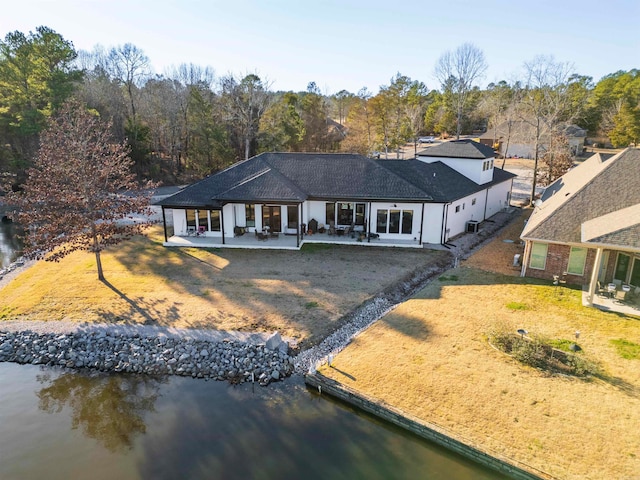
[[630, 306], [283, 241]]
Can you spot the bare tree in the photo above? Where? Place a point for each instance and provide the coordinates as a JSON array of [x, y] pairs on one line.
[[245, 101], [131, 66], [77, 195], [546, 104], [500, 105], [457, 72]]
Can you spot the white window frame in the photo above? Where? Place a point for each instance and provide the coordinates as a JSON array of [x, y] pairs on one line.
[[574, 252], [534, 255]]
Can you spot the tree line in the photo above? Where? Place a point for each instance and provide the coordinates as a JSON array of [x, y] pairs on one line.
[[188, 122]]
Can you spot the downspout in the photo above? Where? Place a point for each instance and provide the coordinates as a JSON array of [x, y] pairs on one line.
[[164, 225], [421, 223], [486, 200], [222, 223], [369, 225], [443, 229], [298, 226], [594, 276]]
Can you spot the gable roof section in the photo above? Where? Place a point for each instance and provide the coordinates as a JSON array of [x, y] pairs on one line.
[[594, 189], [345, 176], [250, 179], [616, 229], [459, 149]]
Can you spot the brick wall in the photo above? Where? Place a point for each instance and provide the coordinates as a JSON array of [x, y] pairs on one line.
[[558, 261]]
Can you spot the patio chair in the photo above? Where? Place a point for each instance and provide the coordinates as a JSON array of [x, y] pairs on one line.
[[332, 228], [261, 236], [620, 296], [602, 289]]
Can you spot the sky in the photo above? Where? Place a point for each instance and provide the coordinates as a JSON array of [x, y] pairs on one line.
[[342, 44]]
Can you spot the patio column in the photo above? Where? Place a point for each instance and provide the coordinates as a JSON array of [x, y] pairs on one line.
[[222, 223], [594, 276], [525, 257]]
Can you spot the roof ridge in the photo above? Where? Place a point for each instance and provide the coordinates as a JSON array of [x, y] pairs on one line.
[[286, 179]]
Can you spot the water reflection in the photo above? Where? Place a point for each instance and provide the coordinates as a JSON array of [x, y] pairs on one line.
[[10, 244], [108, 408], [58, 424]]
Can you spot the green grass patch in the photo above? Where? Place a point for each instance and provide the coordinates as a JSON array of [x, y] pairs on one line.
[[561, 344], [517, 306], [626, 349], [309, 305], [315, 247], [448, 278]]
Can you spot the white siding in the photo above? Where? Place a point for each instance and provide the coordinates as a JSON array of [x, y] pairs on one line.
[[471, 168], [498, 198], [314, 210], [432, 223]]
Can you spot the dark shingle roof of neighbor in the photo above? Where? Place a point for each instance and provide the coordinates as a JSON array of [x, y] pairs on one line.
[[591, 192], [459, 149], [296, 177]]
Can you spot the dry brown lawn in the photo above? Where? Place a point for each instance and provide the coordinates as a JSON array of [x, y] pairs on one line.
[[430, 357], [302, 294]]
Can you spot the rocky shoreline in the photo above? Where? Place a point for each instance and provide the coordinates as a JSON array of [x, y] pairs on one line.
[[228, 360]]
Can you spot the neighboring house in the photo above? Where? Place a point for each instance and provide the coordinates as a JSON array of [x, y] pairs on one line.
[[586, 226], [282, 197], [521, 137]]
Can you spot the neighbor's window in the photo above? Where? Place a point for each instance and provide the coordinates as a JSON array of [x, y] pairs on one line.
[[622, 267], [473, 201], [538, 256], [250, 215], [457, 208], [577, 259], [215, 220]]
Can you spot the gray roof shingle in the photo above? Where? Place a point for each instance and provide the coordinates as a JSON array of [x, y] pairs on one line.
[[296, 177], [459, 149], [591, 190]]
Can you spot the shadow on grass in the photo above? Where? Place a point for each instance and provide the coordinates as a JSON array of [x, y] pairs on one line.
[[153, 312], [348, 375], [625, 387]]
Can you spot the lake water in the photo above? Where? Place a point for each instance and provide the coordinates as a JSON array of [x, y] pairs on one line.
[[61, 424], [9, 244]]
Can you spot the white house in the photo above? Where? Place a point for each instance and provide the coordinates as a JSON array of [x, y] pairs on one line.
[[283, 200]]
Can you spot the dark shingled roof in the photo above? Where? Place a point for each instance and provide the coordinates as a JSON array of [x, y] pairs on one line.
[[596, 188], [442, 182], [296, 177], [346, 176], [459, 149]]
